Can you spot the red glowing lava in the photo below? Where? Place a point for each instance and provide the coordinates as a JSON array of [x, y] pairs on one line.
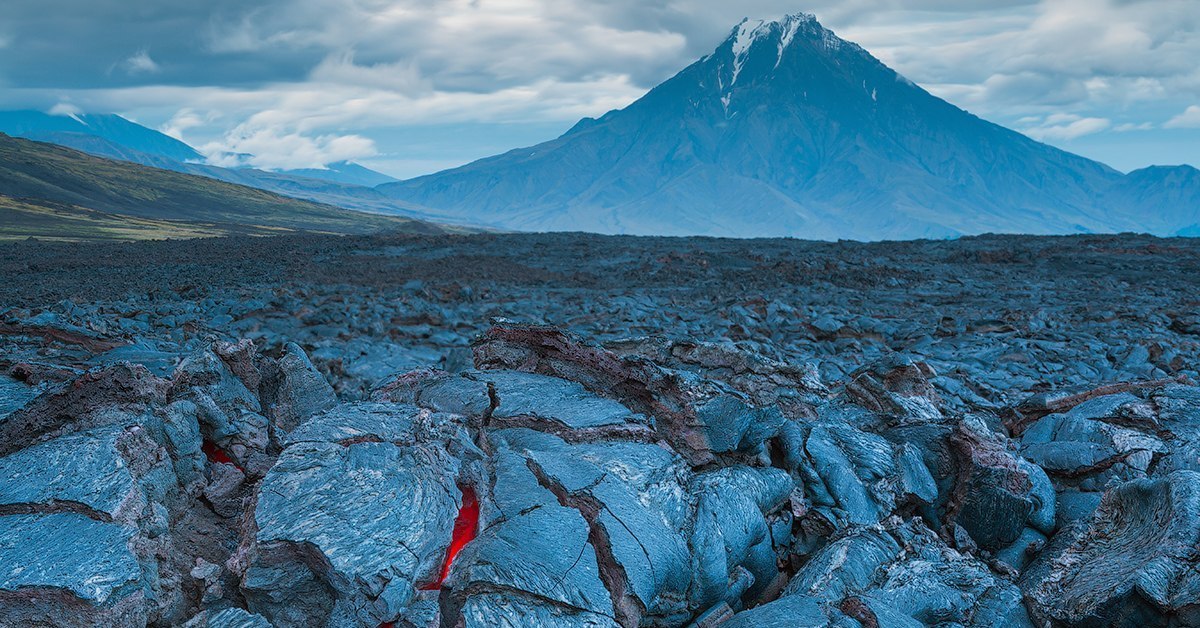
[[465, 527], [216, 454]]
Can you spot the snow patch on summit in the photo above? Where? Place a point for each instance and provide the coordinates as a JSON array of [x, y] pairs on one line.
[[791, 26], [742, 41], [749, 32]]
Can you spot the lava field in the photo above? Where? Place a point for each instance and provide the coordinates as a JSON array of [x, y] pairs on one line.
[[588, 431]]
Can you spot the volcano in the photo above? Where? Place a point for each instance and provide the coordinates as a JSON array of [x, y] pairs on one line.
[[788, 130]]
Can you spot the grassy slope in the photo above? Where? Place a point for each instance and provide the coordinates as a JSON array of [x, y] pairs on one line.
[[30, 218], [54, 192]]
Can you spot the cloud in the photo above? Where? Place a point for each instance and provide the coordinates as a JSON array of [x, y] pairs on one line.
[[1189, 119], [183, 120], [272, 148], [402, 76], [66, 110], [141, 63], [460, 45], [1096, 58], [1066, 127]]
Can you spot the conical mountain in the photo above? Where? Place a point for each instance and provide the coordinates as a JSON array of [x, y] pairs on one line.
[[784, 130]]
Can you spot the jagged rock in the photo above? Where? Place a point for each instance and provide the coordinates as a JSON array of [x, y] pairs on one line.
[[347, 527], [733, 555], [295, 390], [119, 471], [682, 404], [137, 466], [637, 383], [1063, 401], [52, 327], [1093, 443], [1132, 563], [793, 611], [228, 618], [852, 477], [732, 425], [109, 473], [181, 436], [630, 499], [1023, 551], [533, 551], [1101, 441], [512, 609], [160, 363], [14, 395], [795, 389], [895, 574], [1178, 417], [896, 385], [86, 402], [230, 414], [67, 569], [515, 399], [588, 468], [83, 472], [993, 495]]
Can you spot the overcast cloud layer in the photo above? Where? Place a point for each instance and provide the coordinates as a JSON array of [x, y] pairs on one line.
[[410, 87]]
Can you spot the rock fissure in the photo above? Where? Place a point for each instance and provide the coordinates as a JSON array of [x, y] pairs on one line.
[[628, 610]]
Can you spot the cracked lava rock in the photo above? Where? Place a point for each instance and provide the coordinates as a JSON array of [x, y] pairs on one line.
[[551, 480], [562, 484]]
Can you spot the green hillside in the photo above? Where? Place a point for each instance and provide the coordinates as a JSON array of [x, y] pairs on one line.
[[47, 191]]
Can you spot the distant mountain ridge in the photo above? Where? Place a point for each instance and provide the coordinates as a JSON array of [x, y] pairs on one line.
[[114, 137], [346, 172], [49, 191], [1165, 199], [65, 129], [788, 130]]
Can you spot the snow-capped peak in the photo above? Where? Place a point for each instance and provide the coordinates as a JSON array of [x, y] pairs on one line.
[[746, 33]]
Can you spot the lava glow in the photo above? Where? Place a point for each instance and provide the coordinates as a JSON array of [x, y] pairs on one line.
[[216, 454], [465, 527]]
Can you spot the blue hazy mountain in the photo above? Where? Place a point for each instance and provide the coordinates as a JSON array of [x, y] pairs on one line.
[[784, 130], [346, 172], [1165, 199], [82, 132], [55, 192], [114, 137]]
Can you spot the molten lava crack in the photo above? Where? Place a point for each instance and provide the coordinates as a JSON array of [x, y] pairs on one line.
[[466, 525]]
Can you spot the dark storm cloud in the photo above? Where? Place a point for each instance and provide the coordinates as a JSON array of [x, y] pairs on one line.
[[472, 46], [82, 44]]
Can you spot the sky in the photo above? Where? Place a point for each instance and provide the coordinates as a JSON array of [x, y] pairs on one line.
[[410, 87]]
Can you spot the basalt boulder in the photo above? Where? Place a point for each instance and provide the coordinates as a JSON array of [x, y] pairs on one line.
[[1131, 563]]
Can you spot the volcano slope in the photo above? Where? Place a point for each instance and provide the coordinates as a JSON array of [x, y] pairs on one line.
[[573, 430]]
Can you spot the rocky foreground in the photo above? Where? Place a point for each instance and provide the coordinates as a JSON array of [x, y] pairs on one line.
[[582, 431]]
